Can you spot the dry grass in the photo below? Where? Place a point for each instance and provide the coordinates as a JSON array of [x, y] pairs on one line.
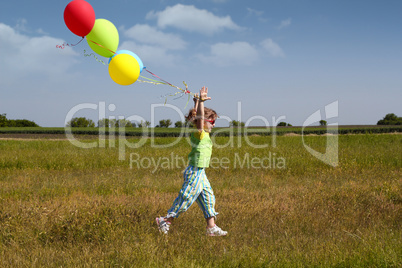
[[65, 206]]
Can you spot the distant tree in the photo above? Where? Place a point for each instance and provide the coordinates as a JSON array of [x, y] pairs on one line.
[[179, 124], [323, 123], [80, 122], [123, 123], [168, 122], [284, 124], [390, 119], [165, 123], [21, 123], [143, 124], [104, 122], [11, 123], [113, 122], [235, 123], [3, 120], [189, 124]]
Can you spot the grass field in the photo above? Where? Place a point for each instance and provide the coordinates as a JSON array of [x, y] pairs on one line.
[[63, 206], [218, 131]]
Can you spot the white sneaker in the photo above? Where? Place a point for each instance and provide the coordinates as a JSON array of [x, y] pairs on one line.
[[163, 225], [216, 231]]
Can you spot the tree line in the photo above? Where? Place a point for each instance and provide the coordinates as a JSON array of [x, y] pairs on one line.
[[108, 123], [389, 119], [105, 123], [4, 122], [164, 123], [116, 123]]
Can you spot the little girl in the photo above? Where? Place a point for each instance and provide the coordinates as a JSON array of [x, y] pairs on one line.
[[196, 186]]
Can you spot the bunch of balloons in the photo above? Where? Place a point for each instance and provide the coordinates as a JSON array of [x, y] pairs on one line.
[[103, 38]]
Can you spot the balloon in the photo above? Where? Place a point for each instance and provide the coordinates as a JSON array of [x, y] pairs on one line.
[[124, 51], [124, 69], [79, 17], [105, 36]]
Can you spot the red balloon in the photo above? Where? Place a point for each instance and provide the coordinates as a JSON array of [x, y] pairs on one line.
[[79, 17]]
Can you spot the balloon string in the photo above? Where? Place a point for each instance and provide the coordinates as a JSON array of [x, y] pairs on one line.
[[152, 81], [186, 91], [159, 77], [101, 46], [158, 82], [182, 91], [62, 46], [96, 58]]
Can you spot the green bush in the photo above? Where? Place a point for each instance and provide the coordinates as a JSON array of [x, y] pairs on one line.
[[80, 122], [4, 122], [390, 119]]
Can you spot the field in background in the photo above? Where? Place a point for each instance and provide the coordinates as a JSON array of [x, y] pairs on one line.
[[61, 205], [225, 132]]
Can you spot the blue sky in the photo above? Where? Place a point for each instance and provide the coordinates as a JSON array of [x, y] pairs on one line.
[[277, 58]]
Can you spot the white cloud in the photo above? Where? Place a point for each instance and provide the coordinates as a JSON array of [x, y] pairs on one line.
[[273, 48], [256, 14], [21, 25], [41, 32], [253, 12], [21, 54], [144, 33], [236, 53], [151, 55], [285, 23], [192, 19], [240, 53]]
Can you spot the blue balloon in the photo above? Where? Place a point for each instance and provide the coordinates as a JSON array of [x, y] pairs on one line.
[[124, 51]]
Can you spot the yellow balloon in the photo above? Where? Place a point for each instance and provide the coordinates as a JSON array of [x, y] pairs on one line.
[[124, 69]]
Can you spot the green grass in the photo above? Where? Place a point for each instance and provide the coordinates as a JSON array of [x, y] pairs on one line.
[[61, 205]]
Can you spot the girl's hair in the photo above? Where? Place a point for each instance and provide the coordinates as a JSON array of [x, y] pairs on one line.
[[208, 113]]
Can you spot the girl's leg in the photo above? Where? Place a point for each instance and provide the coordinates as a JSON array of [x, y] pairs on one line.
[[206, 201], [189, 192], [210, 222]]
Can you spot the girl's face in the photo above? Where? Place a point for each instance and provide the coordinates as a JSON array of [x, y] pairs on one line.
[[209, 124]]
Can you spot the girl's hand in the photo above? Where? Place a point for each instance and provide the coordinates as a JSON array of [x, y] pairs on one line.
[[204, 94], [196, 98]]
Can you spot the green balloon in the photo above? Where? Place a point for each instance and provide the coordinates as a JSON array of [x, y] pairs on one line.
[[104, 38]]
